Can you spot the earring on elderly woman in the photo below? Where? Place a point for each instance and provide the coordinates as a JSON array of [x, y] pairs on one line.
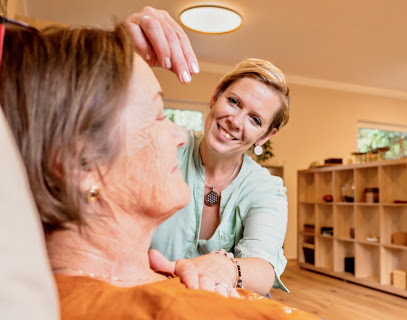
[[93, 194], [258, 150]]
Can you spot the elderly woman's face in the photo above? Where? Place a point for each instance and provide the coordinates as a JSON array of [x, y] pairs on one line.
[[148, 168]]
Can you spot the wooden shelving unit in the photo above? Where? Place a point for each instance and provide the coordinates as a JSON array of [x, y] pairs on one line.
[[373, 261]]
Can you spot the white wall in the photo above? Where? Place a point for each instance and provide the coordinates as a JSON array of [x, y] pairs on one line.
[[323, 124]]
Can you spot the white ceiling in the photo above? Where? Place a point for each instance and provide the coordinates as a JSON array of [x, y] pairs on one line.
[[359, 43]]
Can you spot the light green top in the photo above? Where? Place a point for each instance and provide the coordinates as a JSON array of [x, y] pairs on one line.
[[253, 214]]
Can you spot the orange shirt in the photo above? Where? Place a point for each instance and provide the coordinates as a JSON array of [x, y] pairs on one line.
[[87, 298]]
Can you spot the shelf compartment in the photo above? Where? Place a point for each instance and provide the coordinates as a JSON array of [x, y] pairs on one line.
[[394, 219], [393, 183], [324, 217], [306, 186], [367, 261], [306, 215], [367, 223], [340, 178], [323, 185], [342, 250], [392, 259], [344, 221], [365, 178], [324, 252]]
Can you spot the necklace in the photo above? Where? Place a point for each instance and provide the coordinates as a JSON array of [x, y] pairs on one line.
[[212, 197], [104, 277]]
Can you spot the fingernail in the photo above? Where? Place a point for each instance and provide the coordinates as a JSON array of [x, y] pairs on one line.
[[186, 77], [167, 62], [148, 56], [194, 67]]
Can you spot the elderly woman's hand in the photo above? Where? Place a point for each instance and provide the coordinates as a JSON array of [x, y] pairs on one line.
[[162, 42], [211, 272]]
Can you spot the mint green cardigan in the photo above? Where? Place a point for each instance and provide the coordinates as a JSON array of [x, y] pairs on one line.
[[253, 214]]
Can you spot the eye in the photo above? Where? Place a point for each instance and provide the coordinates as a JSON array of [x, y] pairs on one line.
[[256, 121], [233, 100]]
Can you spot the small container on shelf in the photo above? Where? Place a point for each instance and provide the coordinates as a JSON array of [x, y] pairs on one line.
[[399, 279], [372, 195], [309, 250], [327, 231], [399, 238], [309, 228], [350, 264]]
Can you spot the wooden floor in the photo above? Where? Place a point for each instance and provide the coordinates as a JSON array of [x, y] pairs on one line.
[[334, 299]]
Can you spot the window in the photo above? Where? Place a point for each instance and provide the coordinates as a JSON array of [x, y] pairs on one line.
[[186, 118], [377, 135]]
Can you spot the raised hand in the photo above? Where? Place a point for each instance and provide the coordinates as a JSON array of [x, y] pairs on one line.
[[162, 42]]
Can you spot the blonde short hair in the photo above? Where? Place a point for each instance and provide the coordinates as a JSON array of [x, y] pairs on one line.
[[267, 73]]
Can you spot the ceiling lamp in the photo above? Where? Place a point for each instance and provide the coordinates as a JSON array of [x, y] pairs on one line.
[[210, 19]]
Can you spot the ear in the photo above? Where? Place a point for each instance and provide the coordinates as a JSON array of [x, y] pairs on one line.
[[263, 140], [214, 97]]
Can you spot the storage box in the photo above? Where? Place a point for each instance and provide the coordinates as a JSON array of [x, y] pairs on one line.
[[327, 231], [399, 279], [309, 228], [308, 249], [350, 265], [399, 238]]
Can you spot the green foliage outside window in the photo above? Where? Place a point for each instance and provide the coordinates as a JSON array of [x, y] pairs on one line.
[[185, 118], [375, 138]]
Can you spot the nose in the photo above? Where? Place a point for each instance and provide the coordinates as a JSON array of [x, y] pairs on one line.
[[236, 120], [179, 135]]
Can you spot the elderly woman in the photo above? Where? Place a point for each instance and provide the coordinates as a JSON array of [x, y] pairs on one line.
[[86, 113]]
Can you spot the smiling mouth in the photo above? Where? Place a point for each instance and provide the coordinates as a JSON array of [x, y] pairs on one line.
[[226, 134]]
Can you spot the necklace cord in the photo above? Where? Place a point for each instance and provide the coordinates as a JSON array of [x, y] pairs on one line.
[[213, 187]]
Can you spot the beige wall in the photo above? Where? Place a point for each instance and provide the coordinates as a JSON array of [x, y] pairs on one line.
[[323, 124]]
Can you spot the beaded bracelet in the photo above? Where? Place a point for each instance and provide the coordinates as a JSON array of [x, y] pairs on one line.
[[239, 281], [230, 255]]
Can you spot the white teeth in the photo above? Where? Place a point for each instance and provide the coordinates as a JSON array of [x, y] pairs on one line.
[[225, 134]]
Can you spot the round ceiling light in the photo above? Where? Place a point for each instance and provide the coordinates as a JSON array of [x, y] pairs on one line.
[[210, 19]]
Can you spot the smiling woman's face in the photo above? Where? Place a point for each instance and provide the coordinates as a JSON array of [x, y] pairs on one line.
[[241, 117], [147, 169]]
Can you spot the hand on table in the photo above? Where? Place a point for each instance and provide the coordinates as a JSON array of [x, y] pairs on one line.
[[162, 42], [211, 272]]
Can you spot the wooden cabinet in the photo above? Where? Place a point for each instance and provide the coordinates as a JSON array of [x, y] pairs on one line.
[[352, 240]]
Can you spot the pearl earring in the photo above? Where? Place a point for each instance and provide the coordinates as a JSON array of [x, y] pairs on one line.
[[93, 194], [258, 150]]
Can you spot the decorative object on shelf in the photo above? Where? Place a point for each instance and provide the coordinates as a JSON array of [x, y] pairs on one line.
[[399, 238], [348, 191], [314, 164], [372, 239], [371, 156], [350, 265], [328, 198], [381, 152], [333, 161], [327, 231], [399, 279], [267, 152], [309, 228], [372, 195], [400, 142], [352, 233]]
